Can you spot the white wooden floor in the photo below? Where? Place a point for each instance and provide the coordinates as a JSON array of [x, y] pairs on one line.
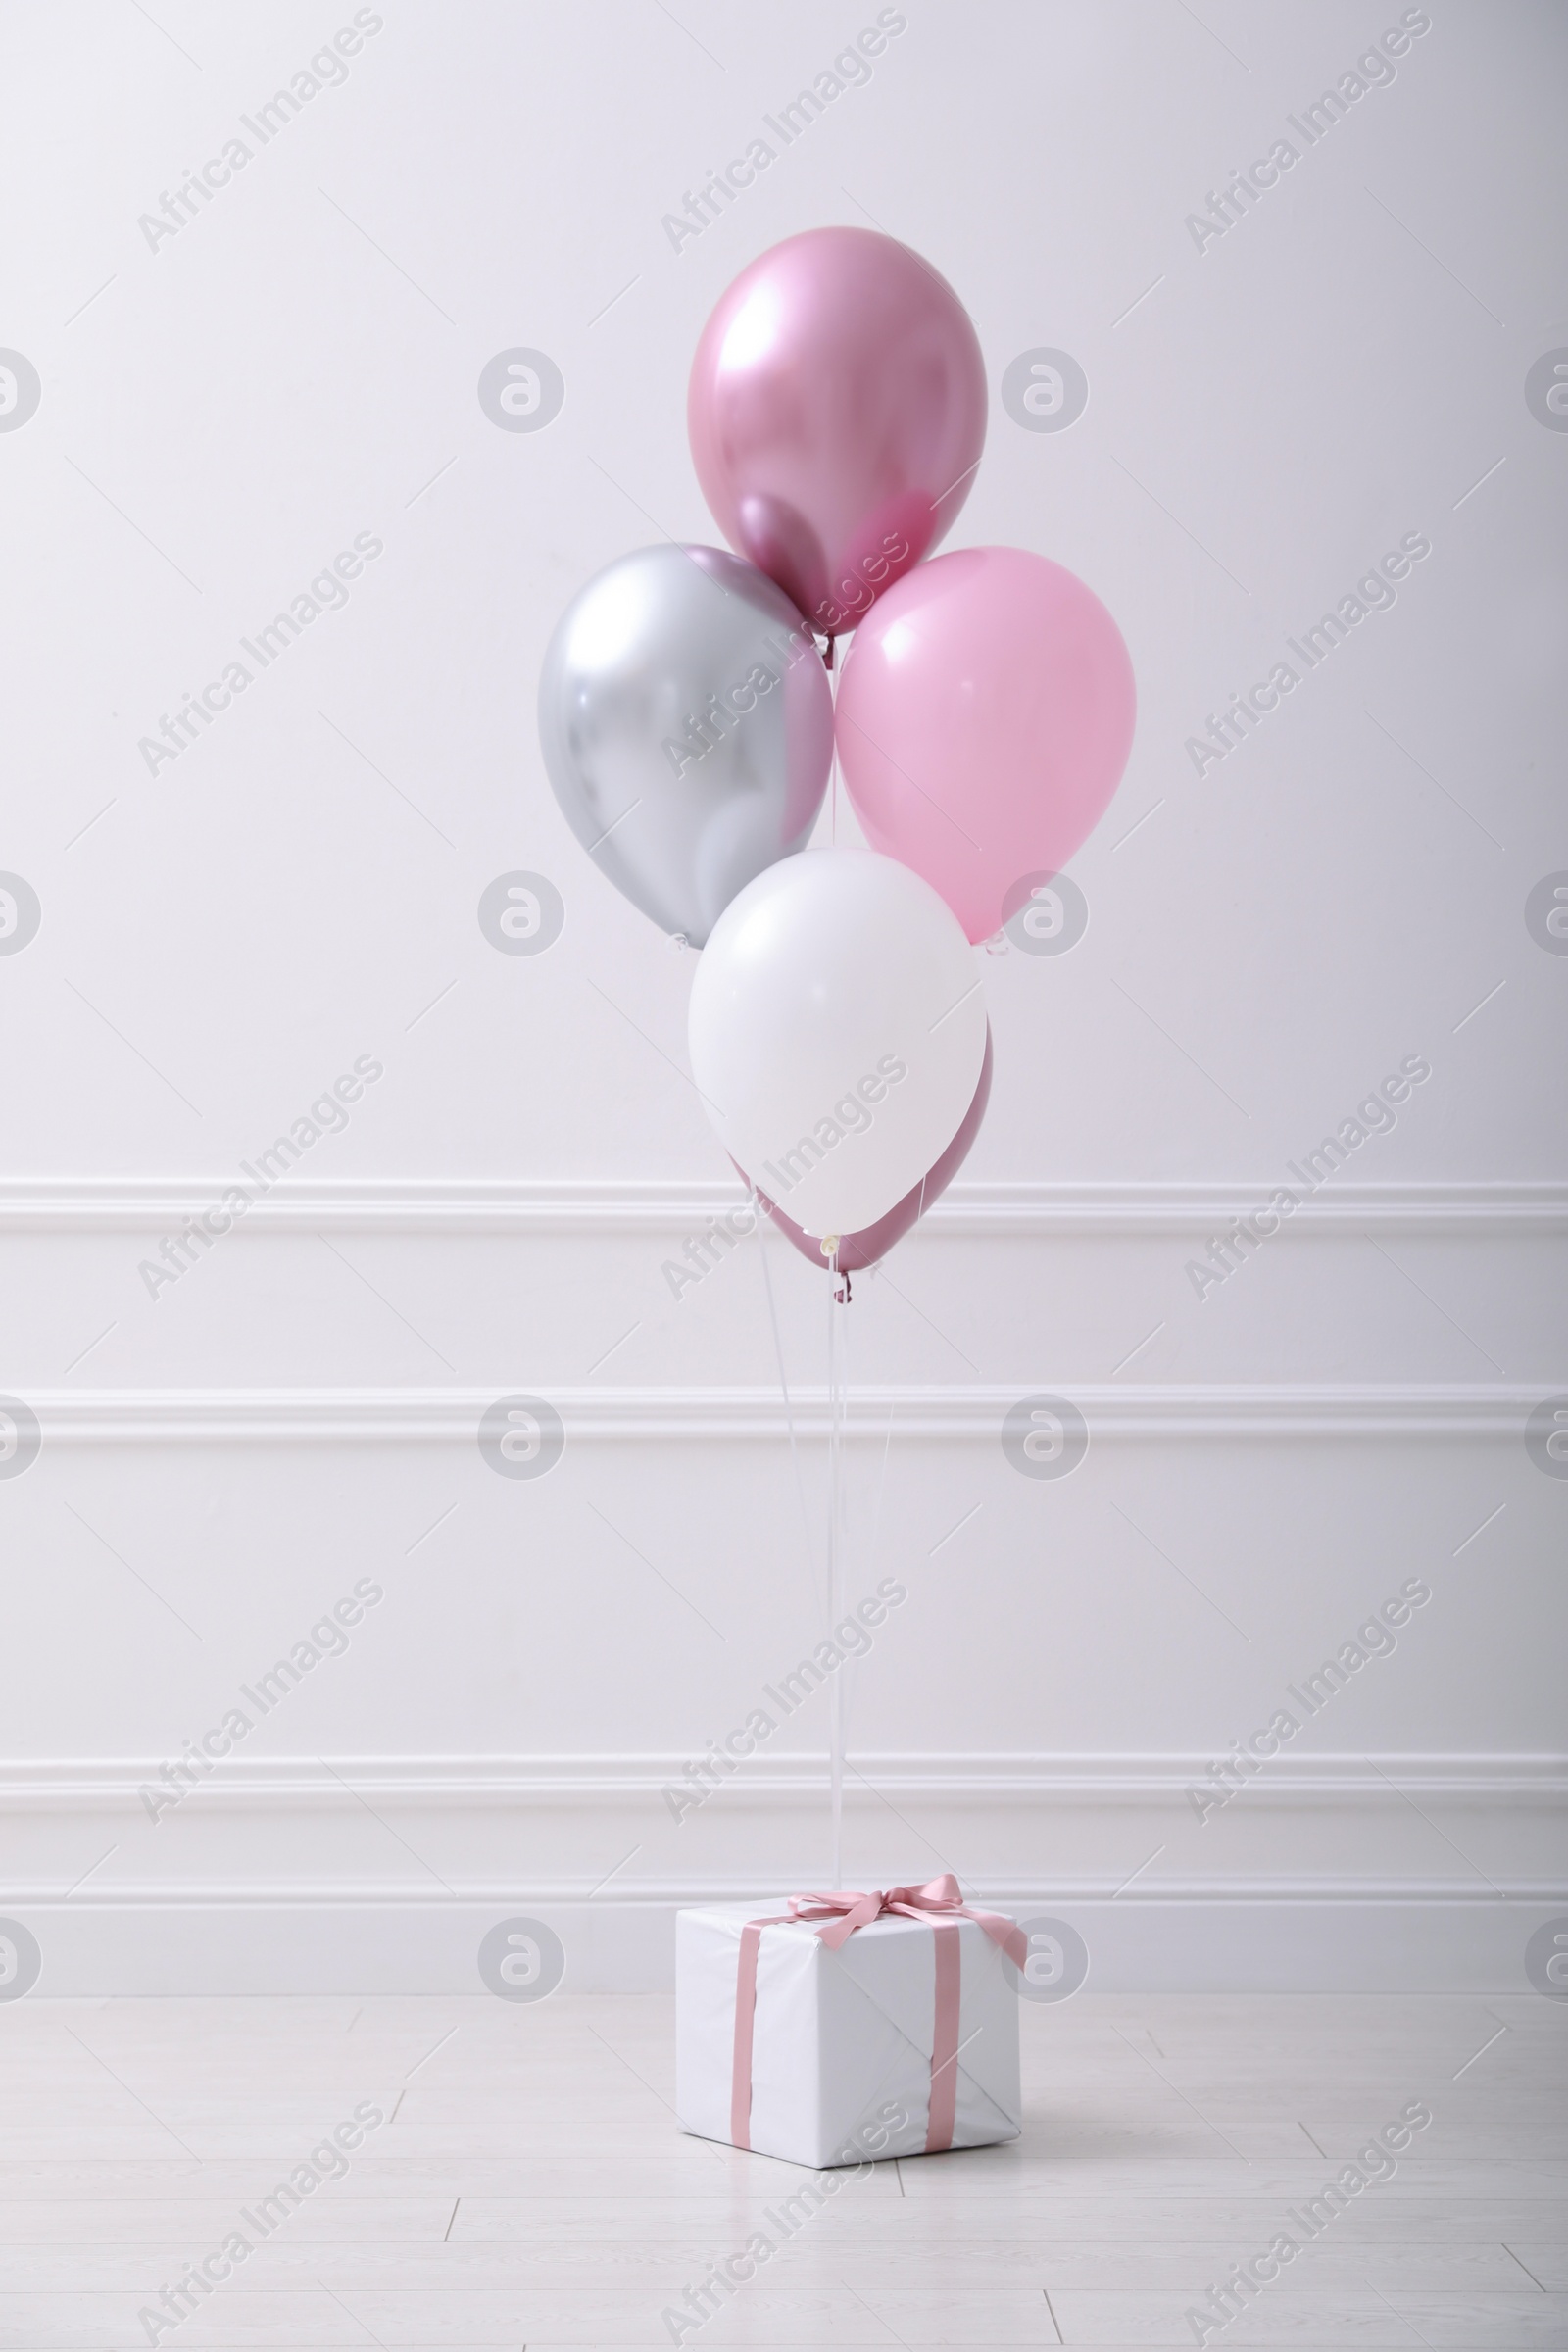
[[529, 2187]]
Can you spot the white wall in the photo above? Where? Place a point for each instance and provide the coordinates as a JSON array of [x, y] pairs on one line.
[[224, 411]]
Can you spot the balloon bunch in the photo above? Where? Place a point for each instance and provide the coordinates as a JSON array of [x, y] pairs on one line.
[[984, 715]]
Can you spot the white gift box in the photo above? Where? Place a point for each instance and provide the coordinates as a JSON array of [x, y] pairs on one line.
[[843, 2042]]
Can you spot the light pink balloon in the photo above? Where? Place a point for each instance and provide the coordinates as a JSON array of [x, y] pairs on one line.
[[985, 715], [837, 413], [873, 1242]]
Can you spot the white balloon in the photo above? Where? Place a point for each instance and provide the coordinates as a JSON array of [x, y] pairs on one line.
[[837, 1030]]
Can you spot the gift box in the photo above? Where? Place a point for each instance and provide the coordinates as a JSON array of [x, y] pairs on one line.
[[827, 2028]]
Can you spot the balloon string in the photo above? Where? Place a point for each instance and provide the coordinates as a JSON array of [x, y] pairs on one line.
[[835, 1550], [784, 1387]]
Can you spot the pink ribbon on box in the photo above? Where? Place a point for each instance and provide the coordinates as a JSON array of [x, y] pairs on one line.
[[939, 1902]]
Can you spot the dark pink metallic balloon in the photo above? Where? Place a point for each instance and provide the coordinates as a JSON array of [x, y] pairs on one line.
[[869, 1246], [837, 413]]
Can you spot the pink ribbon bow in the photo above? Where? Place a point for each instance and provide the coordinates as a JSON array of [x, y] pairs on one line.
[[939, 1901]]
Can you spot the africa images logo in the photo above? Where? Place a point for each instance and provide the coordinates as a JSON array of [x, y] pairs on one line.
[[521, 1437], [1045, 1437]]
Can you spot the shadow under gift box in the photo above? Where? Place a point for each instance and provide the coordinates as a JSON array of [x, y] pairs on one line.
[[842, 2043]]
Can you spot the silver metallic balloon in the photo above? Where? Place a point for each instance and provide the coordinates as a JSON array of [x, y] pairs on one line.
[[687, 725]]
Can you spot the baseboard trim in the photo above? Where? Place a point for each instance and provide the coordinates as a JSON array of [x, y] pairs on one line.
[[1416, 1944], [220, 1903]]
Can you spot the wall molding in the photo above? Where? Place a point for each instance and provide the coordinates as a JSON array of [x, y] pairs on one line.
[[519, 1886], [974, 1412], [87, 1783], [450, 1207]]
